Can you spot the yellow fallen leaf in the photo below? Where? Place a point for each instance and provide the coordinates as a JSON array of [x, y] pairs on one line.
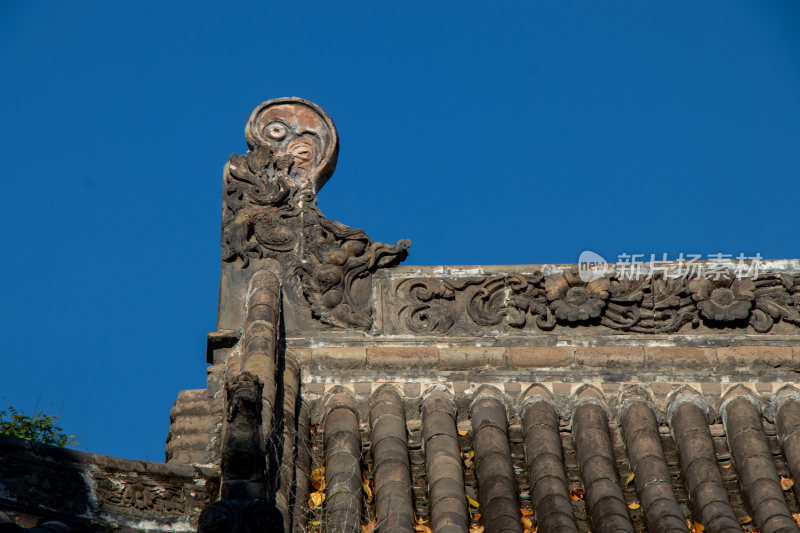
[[526, 512], [634, 505], [367, 486], [420, 520], [576, 494], [472, 503], [476, 529], [698, 527], [527, 523], [727, 465], [787, 483], [467, 457], [318, 477], [746, 520], [796, 517], [462, 432], [422, 528], [369, 528], [316, 499], [629, 479], [314, 522]]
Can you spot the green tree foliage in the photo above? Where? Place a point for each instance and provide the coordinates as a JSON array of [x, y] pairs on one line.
[[38, 428]]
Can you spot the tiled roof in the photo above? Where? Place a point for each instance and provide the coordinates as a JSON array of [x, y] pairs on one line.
[[348, 394], [578, 466]]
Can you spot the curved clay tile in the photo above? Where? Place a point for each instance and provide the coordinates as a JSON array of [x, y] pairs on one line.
[[286, 455], [787, 421], [497, 486], [754, 466], [699, 467], [604, 499], [390, 459], [443, 465], [652, 478], [545, 461], [302, 468], [342, 465]]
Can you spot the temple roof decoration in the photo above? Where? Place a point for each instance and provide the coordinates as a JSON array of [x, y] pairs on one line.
[[270, 210], [349, 393]]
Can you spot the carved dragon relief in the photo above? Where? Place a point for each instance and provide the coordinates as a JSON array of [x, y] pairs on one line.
[[531, 302], [270, 210]]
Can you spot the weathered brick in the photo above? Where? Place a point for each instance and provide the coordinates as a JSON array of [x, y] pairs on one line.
[[562, 389], [610, 356], [460, 386], [679, 356], [541, 356], [339, 357], [188, 457], [513, 388], [661, 390], [315, 388], [363, 388], [764, 388], [192, 441], [711, 388], [193, 424], [471, 357], [412, 390], [609, 388], [407, 357], [301, 355], [756, 357]]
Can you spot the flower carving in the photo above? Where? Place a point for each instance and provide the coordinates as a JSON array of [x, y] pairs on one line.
[[726, 299], [574, 300]]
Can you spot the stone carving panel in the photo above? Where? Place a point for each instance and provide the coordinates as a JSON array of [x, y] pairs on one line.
[[139, 496], [533, 302]]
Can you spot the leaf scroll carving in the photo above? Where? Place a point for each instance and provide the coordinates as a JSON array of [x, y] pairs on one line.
[[535, 302], [776, 298]]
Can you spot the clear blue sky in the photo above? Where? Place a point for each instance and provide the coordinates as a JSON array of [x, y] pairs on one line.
[[486, 133]]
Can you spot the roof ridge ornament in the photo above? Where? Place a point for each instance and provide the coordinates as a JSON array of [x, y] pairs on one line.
[[270, 211], [294, 126]]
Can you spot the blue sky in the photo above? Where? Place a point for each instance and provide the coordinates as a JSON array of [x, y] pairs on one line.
[[486, 133]]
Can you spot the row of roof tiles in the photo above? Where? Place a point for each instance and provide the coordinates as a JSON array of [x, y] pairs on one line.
[[553, 503]]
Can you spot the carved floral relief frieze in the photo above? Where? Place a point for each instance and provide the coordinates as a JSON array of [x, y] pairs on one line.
[[143, 495], [535, 302]]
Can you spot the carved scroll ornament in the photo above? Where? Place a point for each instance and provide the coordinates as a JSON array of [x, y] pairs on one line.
[[535, 302], [269, 210]]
